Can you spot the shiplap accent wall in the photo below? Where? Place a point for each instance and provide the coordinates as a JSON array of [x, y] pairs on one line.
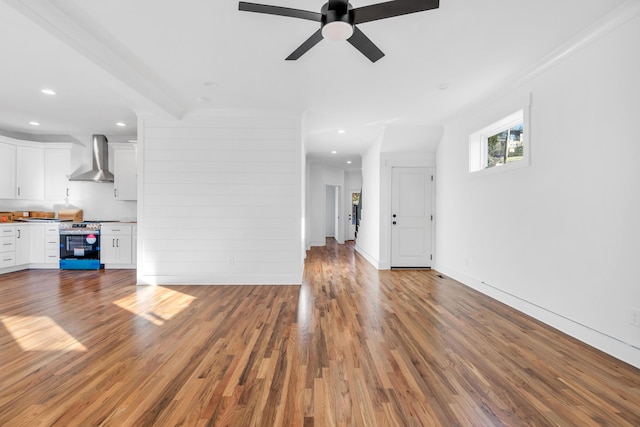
[[220, 200]]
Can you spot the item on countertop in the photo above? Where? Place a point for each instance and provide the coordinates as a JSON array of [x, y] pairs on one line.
[[6, 216], [41, 214], [74, 215]]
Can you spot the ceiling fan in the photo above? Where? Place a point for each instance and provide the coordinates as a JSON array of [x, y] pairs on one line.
[[338, 20]]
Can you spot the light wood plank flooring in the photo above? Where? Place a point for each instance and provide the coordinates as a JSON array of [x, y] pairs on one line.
[[351, 347]]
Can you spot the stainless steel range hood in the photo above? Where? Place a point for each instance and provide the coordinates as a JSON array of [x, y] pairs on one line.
[[100, 171]]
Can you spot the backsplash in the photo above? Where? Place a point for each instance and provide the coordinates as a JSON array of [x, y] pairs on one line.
[[95, 199]]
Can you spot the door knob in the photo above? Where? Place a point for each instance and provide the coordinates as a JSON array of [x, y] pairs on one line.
[[394, 215], [394, 223]]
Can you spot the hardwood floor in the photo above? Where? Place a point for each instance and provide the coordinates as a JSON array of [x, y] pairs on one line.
[[351, 347]]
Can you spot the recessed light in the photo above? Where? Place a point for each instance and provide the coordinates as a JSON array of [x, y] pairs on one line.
[[203, 100], [341, 131], [334, 152], [349, 162], [48, 92], [34, 123], [121, 124], [209, 83], [443, 86]]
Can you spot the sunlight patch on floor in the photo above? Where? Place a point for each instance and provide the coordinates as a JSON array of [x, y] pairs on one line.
[[155, 303], [40, 333]]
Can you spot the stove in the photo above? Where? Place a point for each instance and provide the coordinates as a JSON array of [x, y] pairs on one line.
[[80, 245], [79, 227]]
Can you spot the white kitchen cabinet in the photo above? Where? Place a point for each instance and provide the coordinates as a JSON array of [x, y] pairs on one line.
[[29, 173], [134, 244], [115, 245], [23, 244], [36, 243], [125, 186], [52, 245], [7, 171], [57, 168], [7, 246]]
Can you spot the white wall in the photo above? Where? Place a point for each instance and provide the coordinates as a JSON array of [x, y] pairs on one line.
[[560, 239], [368, 240], [221, 200]]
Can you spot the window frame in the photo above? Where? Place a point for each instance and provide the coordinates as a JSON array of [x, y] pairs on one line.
[[478, 144]]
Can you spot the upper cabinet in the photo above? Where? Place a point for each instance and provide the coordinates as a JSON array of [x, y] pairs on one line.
[[57, 167], [29, 173], [7, 171], [125, 186], [33, 170]]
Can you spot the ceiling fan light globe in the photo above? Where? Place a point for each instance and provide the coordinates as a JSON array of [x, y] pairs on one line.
[[337, 31]]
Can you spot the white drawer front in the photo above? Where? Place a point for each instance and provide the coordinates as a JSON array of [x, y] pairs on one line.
[[52, 256], [116, 229], [52, 230], [7, 259], [7, 244], [52, 243], [7, 231]]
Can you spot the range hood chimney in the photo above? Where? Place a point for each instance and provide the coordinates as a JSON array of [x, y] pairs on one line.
[[100, 171]]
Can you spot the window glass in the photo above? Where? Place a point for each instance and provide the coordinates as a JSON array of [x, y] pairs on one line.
[[502, 145], [506, 146]]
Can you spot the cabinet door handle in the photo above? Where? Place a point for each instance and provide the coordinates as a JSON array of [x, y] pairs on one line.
[[67, 192], [18, 191], [115, 192], [117, 243], [113, 243], [18, 234]]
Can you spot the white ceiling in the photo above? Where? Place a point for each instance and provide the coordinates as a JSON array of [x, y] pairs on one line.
[[108, 60]]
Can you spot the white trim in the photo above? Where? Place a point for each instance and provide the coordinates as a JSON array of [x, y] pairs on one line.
[[603, 342], [368, 257], [608, 23], [478, 143], [222, 279]]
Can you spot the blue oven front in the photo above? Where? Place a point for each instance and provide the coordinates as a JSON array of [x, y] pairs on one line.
[[80, 249]]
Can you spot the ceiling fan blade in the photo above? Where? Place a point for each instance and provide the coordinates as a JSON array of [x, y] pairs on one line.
[[392, 8], [281, 11], [304, 47], [364, 45]]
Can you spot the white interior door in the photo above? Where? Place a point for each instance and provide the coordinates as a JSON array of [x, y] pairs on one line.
[[411, 217], [353, 195]]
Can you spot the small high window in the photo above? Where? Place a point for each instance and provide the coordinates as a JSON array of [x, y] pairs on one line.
[[503, 144]]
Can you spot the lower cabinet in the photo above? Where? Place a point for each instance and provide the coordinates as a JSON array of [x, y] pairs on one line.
[[7, 246], [52, 245], [23, 244], [116, 245]]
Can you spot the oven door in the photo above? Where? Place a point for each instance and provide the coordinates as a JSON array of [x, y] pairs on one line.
[[79, 246]]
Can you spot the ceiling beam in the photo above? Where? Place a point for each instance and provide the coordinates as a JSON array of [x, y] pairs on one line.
[[123, 71]]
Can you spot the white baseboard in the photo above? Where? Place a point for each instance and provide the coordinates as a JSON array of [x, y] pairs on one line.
[[368, 257], [603, 342]]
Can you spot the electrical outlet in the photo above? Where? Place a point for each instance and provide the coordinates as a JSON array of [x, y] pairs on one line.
[[635, 317]]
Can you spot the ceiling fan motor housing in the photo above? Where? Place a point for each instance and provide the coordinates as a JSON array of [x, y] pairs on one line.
[[339, 18]]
